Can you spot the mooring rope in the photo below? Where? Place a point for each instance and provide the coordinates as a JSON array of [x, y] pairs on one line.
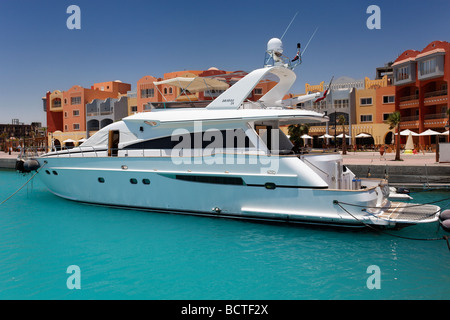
[[390, 234], [37, 171]]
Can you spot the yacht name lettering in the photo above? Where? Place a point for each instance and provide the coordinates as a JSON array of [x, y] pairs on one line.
[[230, 101]]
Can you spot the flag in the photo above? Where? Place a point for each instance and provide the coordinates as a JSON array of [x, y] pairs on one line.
[[323, 97]]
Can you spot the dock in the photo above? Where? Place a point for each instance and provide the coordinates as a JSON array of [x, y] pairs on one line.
[[414, 171], [8, 161]]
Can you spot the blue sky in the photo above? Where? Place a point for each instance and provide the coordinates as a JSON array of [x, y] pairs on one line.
[[126, 40]]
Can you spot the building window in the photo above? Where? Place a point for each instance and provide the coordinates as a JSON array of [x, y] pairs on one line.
[[388, 99], [165, 90], [385, 116], [76, 113], [403, 73], [366, 101], [147, 93], [133, 108], [340, 103], [66, 128], [65, 114], [75, 100], [366, 118], [258, 91], [56, 103], [170, 90], [76, 126], [428, 66]]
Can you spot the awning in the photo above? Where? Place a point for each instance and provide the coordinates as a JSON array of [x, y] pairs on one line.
[[196, 84]]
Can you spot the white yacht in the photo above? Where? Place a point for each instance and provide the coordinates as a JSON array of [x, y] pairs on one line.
[[230, 159]]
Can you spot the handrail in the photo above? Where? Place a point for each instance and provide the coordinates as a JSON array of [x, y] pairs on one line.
[[183, 153]]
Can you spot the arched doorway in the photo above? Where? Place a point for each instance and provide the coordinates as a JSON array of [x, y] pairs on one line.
[[105, 122], [389, 138], [57, 144]]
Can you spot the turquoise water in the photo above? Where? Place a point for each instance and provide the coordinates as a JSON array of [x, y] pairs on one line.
[[124, 254]]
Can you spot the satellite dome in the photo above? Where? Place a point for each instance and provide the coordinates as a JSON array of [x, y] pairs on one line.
[[275, 45]]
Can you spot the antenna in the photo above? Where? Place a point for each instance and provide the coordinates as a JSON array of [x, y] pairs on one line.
[[310, 41], [289, 25]]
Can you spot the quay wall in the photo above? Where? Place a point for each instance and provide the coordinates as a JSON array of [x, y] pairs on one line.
[[408, 175], [7, 163]]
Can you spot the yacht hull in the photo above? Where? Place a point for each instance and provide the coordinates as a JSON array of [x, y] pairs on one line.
[[148, 184]]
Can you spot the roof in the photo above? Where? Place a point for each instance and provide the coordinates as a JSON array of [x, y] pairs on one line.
[[196, 84], [189, 115]]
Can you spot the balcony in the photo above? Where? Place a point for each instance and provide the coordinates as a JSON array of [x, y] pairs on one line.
[[409, 118], [436, 116], [409, 101], [435, 94], [436, 120], [436, 97], [409, 98]]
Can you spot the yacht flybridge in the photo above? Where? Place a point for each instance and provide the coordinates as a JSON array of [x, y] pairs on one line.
[[230, 159]]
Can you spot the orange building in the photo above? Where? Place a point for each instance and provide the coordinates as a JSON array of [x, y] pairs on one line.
[[174, 94], [421, 88], [75, 99]]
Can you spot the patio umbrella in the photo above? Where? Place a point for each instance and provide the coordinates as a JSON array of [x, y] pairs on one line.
[[305, 136], [445, 133], [326, 135], [429, 132], [409, 144], [342, 135], [407, 132], [68, 141]]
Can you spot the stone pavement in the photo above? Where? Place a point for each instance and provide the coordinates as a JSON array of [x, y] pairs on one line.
[[374, 158]]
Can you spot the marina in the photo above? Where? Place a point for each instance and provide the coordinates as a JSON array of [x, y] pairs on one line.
[[170, 153], [230, 159]]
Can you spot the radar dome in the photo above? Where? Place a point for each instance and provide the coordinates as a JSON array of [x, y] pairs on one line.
[[275, 45]]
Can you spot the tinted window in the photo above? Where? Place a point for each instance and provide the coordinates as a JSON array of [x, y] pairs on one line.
[[210, 139]]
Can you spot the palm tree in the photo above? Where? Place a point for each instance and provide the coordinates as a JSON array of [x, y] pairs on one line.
[[394, 122], [341, 121], [295, 132]]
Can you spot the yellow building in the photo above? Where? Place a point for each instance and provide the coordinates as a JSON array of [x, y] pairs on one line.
[[358, 101]]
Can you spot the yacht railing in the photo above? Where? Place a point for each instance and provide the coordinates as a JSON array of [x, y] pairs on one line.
[[95, 152]]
